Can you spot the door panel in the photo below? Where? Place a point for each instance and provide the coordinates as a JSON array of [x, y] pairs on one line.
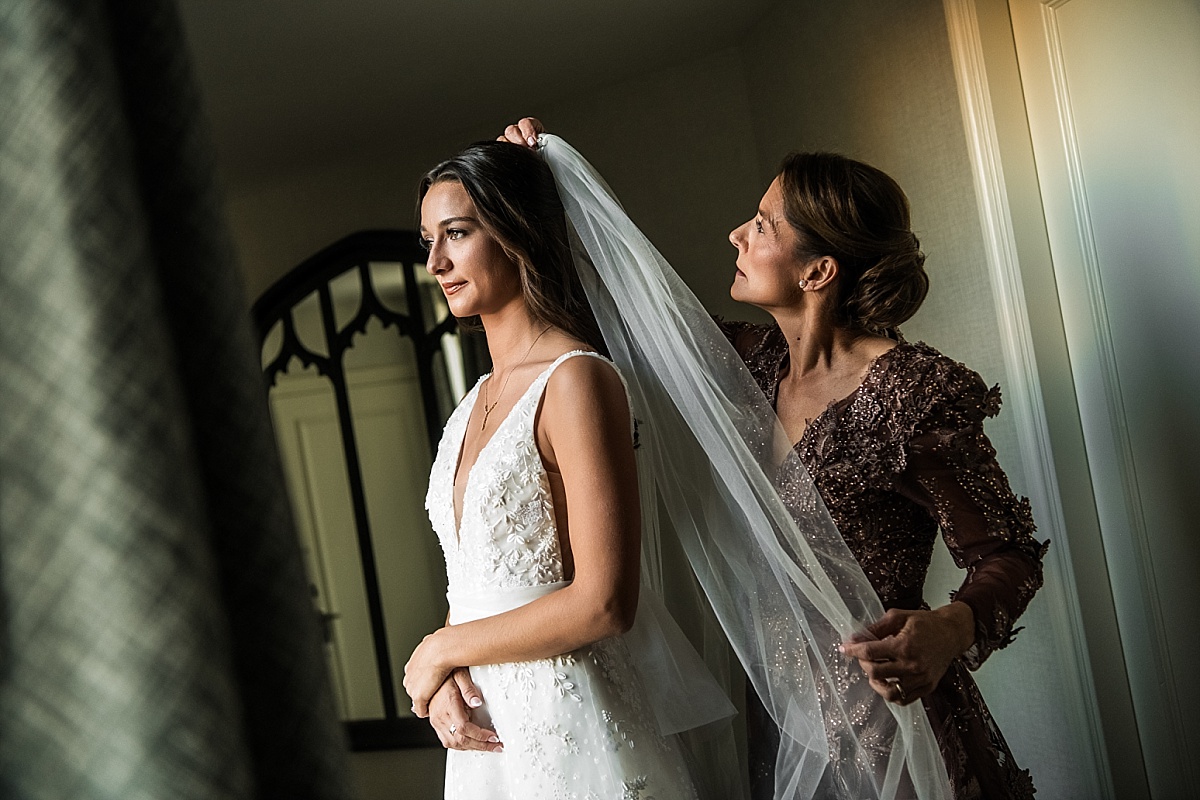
[[1113, 97]]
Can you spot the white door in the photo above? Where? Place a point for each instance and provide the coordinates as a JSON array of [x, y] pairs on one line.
[[395, 459], [1112, 89]]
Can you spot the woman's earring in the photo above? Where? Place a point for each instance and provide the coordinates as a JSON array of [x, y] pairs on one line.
[[803, 283]]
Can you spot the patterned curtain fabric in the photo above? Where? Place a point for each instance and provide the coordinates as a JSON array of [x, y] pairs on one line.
[[157, 638]]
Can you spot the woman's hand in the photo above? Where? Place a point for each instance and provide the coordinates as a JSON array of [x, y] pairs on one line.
[[425, 671], [451, 719], [524, 132], [913, 650]]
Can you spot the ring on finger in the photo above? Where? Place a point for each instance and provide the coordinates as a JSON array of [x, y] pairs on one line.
[[899, 688], [453, 728]]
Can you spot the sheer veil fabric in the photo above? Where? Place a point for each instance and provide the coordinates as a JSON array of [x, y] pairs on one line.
[[779, 577]]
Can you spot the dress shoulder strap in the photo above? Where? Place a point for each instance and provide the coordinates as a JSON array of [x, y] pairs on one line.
[[569, 355]]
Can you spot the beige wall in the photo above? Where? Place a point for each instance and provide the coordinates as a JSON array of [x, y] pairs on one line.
[[279, 221], [678, 148], [676, 145]]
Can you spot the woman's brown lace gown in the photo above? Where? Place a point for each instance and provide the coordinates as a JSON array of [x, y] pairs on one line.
[[902, 456]]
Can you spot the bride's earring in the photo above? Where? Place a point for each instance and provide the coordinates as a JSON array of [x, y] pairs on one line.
[[803, 283]]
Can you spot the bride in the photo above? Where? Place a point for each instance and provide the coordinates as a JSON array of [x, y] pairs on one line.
[[534, 497]]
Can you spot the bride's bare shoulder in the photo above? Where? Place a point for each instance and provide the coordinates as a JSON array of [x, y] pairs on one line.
[[586, 385], [586, 371]]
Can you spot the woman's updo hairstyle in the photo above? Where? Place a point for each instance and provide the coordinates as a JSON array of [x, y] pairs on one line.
[[857, 214], [518, 205]]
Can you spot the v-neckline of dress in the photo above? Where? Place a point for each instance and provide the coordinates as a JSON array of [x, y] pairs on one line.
[[462, 443], [834, 405], [455, 512]]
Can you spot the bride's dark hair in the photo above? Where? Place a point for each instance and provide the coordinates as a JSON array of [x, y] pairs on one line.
[[518, 205]]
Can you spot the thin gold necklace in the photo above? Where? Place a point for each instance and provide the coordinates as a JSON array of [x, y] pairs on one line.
[[487, 409]]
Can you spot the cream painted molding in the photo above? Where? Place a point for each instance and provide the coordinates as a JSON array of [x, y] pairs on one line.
[[1118, 455], [1025, 391]]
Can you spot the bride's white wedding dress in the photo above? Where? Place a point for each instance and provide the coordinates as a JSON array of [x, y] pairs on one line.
[[577, 726]]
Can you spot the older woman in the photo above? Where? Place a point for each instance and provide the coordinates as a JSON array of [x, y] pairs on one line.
[[892, 434]]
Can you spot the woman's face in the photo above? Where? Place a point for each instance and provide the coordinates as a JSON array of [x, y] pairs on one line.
[[476, 275], [768, 269]]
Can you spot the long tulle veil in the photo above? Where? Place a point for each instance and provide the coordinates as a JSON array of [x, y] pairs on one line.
[[778, 576]]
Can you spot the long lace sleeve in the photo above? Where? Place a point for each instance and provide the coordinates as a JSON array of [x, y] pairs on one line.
[[952, 471]]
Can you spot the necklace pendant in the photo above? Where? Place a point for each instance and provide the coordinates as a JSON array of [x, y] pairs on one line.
[[487, 410]]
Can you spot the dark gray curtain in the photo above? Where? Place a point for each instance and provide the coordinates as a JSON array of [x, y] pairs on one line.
[[156, 634]]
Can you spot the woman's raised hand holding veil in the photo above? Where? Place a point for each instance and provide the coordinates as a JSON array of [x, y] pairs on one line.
[[524, 132]]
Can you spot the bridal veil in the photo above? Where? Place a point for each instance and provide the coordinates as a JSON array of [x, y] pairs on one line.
[[778, 576]]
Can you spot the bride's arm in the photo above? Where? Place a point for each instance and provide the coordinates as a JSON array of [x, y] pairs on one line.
[[585, 434]]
